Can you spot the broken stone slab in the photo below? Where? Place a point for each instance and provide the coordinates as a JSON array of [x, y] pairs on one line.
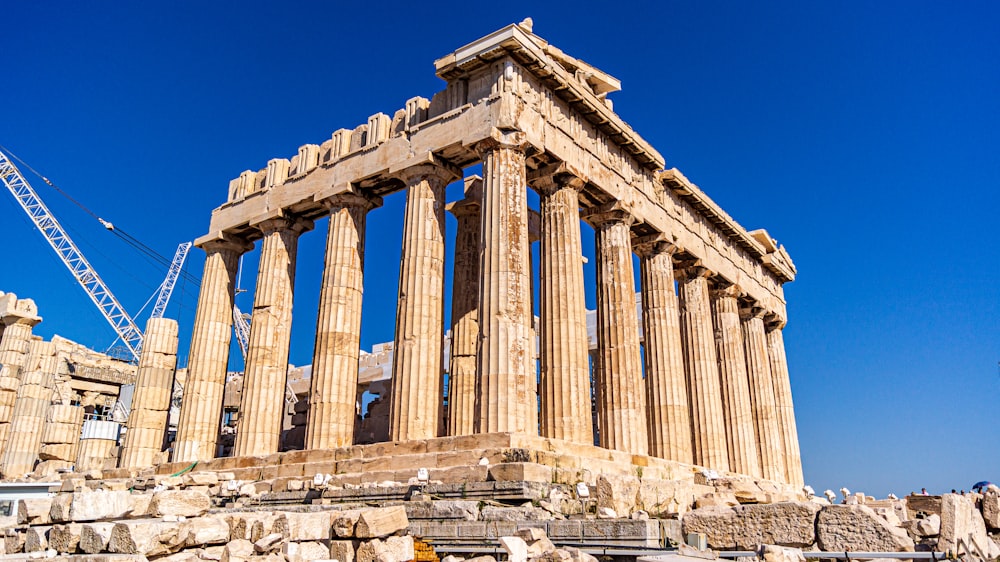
[[149, 537], [617, 492], [34, 511], [516, 548], [345, 522], [846, 528], [305, 551], [775, 553], [254, 525], [746, 527], [65, 538], [929, 526], [36, 539], [381, 522], [991, 508], [186, 503], [497, 513], [239, 550], [268, 543], [94, 537], [200, 531], [98, 505], [392, 549], [464, 510], [312, 526], [963, 530], [344, 551]]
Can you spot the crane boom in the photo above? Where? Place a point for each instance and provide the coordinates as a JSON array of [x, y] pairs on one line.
[[71, 256], [167, 288]]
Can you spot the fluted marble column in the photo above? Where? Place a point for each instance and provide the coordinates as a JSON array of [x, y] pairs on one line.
[[415, 404], [465, 311], [18, 317], [147, 422], [506, 374], [765, 415], [28, 419], [737, 411], [565, 370], [334, 393], [783, 404], [668, 418], [701, 366], [201, 408], [621, 398], [264, 379]]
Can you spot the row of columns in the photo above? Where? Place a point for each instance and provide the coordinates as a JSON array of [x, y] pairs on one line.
[[711, 393]]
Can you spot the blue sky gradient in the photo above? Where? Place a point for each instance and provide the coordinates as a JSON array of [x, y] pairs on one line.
[[865, 136]]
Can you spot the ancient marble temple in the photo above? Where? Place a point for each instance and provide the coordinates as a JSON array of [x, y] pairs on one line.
[[712, 386]]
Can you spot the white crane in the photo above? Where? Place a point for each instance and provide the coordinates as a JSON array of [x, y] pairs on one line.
[[167, 287], [78, 266]]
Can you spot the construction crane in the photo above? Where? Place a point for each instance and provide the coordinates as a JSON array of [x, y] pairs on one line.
[[167, 287], [81, 269]]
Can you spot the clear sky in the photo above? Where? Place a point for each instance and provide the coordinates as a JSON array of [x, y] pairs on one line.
[[864, 136]]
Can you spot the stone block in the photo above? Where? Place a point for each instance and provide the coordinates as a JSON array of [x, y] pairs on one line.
[[305, 551], [570, 530], [843, 528], [520, 471], [929, 526], [186, 503], [527, 513], [148, 537], [65, 538], [343, 551], [34, 511], [380, 522], [963, 529], [99, 505], [310, 526], [36, 539], [392, 549], [516, 548], [991, 508], [213, 529], [443, 509], [617, 492], [94, 537], [238, 550]]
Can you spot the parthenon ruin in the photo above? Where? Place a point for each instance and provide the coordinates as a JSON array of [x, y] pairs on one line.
[[714, 388], [698, 377]]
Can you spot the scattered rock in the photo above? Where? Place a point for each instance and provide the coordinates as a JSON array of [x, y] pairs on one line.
[[845, 528], [516, 548], [929, 526]]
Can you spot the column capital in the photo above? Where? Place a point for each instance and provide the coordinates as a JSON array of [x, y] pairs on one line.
[[298, 225], [614, 212], [655, 244], [352, 198], [752, 311], [692, 269], [473, 198], [434, 169], [224, 241], [727, 290], [557, 176], [511, 140], [12, 320], [773, 321]]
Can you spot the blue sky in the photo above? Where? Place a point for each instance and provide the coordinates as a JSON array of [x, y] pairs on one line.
[[864, 136]]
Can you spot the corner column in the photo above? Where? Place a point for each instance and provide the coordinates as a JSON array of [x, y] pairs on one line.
[[708, 427], [667, 413], [465, 311], [201, 409], [147, 422], [783, 403], [765, 415], [737, 411], [415, 403], [506, 375], [19, 316], [264, 379], [565, 369], [621, 400], [28, 419], [334, 393]]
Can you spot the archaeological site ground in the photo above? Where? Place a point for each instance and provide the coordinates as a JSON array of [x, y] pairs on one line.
[[659, 426]]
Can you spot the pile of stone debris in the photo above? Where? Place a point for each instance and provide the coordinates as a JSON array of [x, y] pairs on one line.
[[206, 515]]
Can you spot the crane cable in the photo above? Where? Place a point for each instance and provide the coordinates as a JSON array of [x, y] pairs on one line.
[[126, 237]]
